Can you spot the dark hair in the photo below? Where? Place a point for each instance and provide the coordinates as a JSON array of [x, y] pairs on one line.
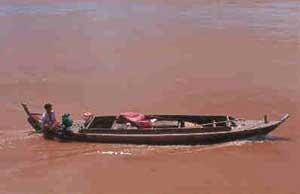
[[48, 105]]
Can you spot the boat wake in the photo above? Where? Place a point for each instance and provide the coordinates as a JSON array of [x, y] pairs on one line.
[[139, 150], [9, 139]]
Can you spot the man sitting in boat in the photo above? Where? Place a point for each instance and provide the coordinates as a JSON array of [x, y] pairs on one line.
[[49, 121]]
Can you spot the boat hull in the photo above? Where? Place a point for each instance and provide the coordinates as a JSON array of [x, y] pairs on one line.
[[171, 139]]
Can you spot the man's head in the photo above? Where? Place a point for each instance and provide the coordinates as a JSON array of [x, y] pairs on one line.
[[48, 107]]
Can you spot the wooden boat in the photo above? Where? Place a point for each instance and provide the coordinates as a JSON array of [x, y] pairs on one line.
[[167, 129]]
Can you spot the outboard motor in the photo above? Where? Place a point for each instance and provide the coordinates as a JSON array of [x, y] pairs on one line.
[[67, 121]]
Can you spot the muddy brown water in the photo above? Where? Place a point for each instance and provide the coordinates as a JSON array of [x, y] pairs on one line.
[[178, 57]]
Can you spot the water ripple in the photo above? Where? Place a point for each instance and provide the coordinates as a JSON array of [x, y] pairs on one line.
[[50, 9], [279, 18]]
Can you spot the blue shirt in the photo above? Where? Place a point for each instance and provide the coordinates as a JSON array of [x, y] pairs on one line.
[[48, 119]]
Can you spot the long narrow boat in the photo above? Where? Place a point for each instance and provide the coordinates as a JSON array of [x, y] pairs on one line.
[[164, 129]]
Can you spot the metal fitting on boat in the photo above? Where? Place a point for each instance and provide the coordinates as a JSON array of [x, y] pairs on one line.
[[228, 122], [214, 123]]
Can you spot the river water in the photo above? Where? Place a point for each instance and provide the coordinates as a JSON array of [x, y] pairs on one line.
[[178, 57]]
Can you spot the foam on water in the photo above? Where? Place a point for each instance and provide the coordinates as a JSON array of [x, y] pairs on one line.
[[114, 153]]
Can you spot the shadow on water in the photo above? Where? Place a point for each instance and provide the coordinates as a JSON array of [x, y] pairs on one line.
[[192, 149], [269, 138], [136, 150]]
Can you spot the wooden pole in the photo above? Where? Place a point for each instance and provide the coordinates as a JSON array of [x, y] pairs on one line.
[[266, 119]]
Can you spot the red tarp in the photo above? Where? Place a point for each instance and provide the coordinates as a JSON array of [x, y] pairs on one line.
[[137, 118]]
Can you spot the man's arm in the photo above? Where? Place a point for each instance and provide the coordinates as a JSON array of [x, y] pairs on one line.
[[54, 121], [43, 120]]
